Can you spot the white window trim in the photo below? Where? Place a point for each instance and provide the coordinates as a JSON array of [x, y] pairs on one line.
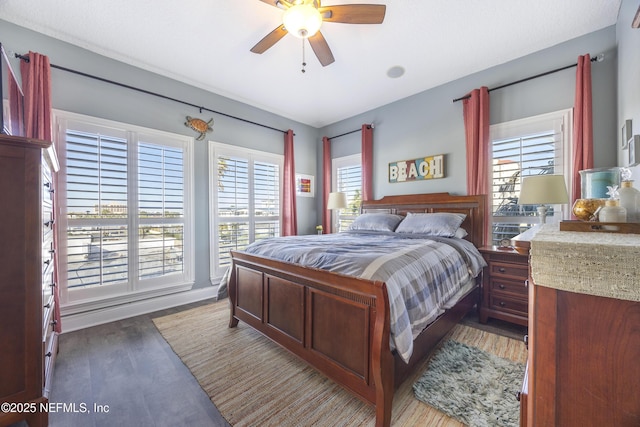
[[216, 148], [532, 124], [81, 300], [337, 163]]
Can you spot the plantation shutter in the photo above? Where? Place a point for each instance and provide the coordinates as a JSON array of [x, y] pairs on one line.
[[97, 210], [247, 201], [125, 195], [160, 210], [349, 181], [520, 149]]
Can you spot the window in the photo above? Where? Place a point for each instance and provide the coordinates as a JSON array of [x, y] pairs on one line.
[[126, 208], [347, 178], [532, 146], [245, 200]]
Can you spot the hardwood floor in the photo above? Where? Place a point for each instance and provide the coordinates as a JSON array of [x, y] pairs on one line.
[[127, 368]]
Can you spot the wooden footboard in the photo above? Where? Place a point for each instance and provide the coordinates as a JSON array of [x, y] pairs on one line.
[[338, 324]]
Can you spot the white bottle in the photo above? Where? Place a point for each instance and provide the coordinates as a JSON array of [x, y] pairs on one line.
[[612, 212], [630, 200]]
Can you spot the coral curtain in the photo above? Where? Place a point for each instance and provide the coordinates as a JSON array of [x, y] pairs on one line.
[[36, 85], [476, 124], [582, 124], [367, 162], [289, 215], [16, 107], [326, 184]]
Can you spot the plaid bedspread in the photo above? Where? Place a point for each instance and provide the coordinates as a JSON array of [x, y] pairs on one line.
[[421, 273]]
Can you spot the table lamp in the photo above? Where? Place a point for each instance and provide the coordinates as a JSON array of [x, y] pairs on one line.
[[543, 190], [337, 201]]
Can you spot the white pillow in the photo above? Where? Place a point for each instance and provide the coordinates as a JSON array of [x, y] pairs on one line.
[[435, 224], [376, 222]]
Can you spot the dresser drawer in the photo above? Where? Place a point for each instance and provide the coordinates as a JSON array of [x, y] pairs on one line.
[[505, 269], [48, 318], [501, 285], [507, 304]]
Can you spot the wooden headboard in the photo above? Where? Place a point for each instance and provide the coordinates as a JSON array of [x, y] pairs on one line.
[[472, 206]]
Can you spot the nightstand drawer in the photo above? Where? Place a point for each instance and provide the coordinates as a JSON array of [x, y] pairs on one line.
[[508, 305], [508, 286], [498, 269]]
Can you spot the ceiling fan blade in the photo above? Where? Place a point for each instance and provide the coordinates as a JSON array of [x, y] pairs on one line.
[[269, 40], [354, 13], [321, 49]]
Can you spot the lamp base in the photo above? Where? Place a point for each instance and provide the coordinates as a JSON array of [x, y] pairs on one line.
[[542, 213]]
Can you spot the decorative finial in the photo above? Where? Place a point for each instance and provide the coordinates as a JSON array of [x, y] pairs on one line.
[[612, 191], [625, 174]]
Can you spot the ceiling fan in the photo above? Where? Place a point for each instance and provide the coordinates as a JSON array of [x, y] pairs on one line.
[[303, 18]]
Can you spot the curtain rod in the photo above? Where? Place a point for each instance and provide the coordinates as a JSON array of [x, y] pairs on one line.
[[201, 108], [598, 58], [350, 132]]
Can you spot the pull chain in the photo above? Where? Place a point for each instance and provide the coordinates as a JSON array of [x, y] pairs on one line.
[[304, 64]]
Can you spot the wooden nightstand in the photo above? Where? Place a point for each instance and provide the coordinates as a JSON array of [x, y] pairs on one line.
[[504, 293]]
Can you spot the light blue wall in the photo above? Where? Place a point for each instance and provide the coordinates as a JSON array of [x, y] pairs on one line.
[[628, 78], [430, 123]]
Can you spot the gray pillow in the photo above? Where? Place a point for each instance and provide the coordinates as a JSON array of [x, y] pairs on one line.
[[376, 222], [435, 224]]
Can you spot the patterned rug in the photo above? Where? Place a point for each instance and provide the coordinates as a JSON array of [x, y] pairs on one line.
[[471, 385], [252, 381]]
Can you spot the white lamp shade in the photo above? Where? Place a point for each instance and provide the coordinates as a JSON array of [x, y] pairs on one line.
[[337, 200], [543, 190], [302, 20]]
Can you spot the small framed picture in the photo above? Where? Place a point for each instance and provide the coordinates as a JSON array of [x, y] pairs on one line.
[[627, 133], [634, 150], [304, 185]]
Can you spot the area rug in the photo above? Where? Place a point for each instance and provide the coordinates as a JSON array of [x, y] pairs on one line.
[[252, 381], [471, 385]]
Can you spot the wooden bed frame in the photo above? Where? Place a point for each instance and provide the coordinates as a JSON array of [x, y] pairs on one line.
[[340, 324]]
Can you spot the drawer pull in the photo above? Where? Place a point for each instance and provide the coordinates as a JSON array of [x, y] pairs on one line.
[[54, 322], [526, 341], [501, 286], [48, 354], [47, 262], [47, 184], [526, 283], [502, 303], [47, 305], [518, 394], [50, 223], [502, 270]]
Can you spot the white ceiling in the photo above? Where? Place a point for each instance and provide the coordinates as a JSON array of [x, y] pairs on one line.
[[206, 44]]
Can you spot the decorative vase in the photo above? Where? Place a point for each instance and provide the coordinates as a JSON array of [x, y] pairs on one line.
[[630, 200], [587, 209], [594, 182], [612, 212]]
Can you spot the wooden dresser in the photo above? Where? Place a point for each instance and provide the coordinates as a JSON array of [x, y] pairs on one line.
[[27, 319], [584, 330]]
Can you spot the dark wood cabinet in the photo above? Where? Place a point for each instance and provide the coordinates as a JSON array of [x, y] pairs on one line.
[[504, 285], [27, 308], [584, 360]]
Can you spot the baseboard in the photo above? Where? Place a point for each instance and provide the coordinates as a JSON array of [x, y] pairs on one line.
[[74, 322]]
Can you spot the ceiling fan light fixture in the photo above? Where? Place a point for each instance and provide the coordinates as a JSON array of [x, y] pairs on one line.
[[302, 20]]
